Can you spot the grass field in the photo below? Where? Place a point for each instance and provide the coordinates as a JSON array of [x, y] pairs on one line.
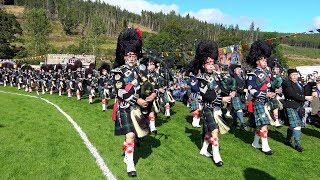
[[299, 56], [37, 142]]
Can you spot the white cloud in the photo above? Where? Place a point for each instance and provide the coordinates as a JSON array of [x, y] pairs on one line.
[[217, 16], [316, 22], [136, 6]]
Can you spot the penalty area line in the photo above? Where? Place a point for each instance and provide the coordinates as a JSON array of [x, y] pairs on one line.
[[93, 150]]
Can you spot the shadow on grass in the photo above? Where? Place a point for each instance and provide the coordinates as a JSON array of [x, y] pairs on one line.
[[243, 135], [252, 173], [195, 136], [146, 146], [161, 120], [189, 119], [1, 125], [276, 135], [311, 132]]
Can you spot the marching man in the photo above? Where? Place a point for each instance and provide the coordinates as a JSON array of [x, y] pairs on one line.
[[259, 86]]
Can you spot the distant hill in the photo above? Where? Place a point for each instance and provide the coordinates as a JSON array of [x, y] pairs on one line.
[[151, 23], [300, 56]]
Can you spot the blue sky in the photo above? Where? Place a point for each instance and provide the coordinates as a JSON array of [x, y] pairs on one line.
[[269, 15]]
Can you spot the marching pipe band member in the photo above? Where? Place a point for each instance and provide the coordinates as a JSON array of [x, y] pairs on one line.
[[79, 77], [51, 78], [69, 76], [104, 85], [91, 83], [59, 78], [258, 85], [294, 95], [165, 81], [43, 78], [19, 79], [129, 120], [276, 83], [210, 95], [193, 95], [228, 88], [238, 101], [152, 86]]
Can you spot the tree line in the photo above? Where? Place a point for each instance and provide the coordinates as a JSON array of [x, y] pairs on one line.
[[93, 20]]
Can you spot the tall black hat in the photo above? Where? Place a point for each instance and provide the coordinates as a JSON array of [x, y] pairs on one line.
[[129, 40], [204, 49], [273, 61], [58, 66], [258, 49], [77, 64], [103, 66]]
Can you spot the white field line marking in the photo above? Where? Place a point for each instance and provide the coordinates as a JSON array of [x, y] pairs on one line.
[[102, 165]]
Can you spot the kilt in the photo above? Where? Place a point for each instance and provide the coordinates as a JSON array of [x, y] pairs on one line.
[[194, 105], [209, 124], [163, 99], [237, 104], [293, 118], [260, 116], [274, 104], [124, 124], [194, 101]]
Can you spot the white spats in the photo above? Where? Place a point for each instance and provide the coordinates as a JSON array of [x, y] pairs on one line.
[[78, 95], [90, 99], [196, 119], [167, 110], [129, 149], [215, 150], [104, 104], [204, 149]]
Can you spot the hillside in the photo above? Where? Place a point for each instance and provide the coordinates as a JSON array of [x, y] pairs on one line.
[[60, 41], [299, 56]]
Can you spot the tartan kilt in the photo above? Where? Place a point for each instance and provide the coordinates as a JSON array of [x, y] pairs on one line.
[[163, 99], [194, 105], [274, 104], [260, 116], [209, 124], [124, 124], [293, 118], [101, 94], [237, 104]]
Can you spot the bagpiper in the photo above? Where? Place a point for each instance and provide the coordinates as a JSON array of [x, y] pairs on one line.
[[209, 84], [238, 101], [129, 120], [276, 82], [104, 85], [259, 86]]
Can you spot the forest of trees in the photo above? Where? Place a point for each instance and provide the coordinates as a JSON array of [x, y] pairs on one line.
[[92, 19]]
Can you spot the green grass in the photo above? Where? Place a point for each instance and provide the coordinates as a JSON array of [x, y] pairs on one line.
[[37, 142], [301, 51], [172, 154]]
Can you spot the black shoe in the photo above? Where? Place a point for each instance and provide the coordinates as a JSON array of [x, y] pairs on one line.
[[132, 174], [155, 132], [268, 152], [288, 143], [220, 163], [299, 148]]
